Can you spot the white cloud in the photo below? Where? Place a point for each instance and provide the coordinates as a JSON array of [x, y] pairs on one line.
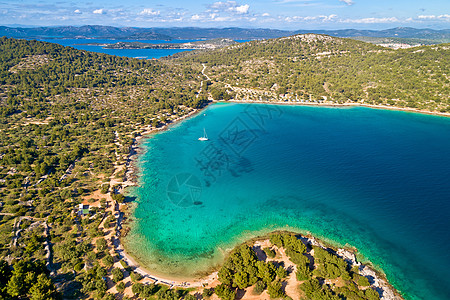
[[223, 12], [428, 17], [99, 11], [328, 18], [382, 20], [230, 7], [222, 5], [222, 19], [218, 6], [371, 20], [348, 2], [243, 9], [445, 17], [149, 12], [117, 10], [321, 18]]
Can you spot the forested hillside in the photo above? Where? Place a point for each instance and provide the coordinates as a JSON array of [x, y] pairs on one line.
[[321, 68], [67, 119], [58, 104]]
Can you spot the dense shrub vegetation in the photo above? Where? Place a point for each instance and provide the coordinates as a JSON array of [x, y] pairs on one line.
[[318, 67], [25, 279], [66, 118], [320, 273]]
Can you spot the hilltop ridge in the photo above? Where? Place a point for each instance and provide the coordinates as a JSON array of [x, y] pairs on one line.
[[321, 68], [236, 33]]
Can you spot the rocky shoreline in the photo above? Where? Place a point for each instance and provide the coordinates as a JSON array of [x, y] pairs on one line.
[[377, 280]]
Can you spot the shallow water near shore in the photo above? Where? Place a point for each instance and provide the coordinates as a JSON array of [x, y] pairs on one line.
[[373, 179]]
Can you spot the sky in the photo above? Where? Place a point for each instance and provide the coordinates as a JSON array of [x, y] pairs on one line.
[[277, 14]]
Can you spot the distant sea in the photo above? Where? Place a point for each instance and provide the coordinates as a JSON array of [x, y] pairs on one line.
[[372, 179], [136, 53]]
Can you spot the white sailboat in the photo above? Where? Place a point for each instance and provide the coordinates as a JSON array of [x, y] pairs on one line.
[[204, 137]]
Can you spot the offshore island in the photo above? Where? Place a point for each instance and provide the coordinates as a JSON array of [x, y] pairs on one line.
[[76, 127]]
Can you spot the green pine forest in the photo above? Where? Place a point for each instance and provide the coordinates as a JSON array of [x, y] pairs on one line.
[[69, 118], [335, 70]]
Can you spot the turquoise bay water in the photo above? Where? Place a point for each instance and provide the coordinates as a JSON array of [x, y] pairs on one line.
[[372, 179]]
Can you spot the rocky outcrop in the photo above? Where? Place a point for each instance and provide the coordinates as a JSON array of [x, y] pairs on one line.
[[377, 281]]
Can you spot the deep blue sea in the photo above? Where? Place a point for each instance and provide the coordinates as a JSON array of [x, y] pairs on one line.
[[373, 179]]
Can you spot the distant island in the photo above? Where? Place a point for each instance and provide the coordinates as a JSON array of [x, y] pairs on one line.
[[209, 44]]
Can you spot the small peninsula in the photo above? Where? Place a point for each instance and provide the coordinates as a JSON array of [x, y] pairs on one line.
[[281, 265], [198, 45], [266, 267]]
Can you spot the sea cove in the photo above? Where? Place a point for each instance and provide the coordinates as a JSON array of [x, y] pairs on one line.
[[372, 179]]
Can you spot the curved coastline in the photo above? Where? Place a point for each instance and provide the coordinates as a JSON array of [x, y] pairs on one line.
[[208, 279], [347, 104], [376, 276]]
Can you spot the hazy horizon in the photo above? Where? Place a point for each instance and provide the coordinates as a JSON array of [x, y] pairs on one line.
[[273, 14], [224, 27]]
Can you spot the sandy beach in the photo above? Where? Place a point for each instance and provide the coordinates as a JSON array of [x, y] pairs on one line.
[[348, 104]]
